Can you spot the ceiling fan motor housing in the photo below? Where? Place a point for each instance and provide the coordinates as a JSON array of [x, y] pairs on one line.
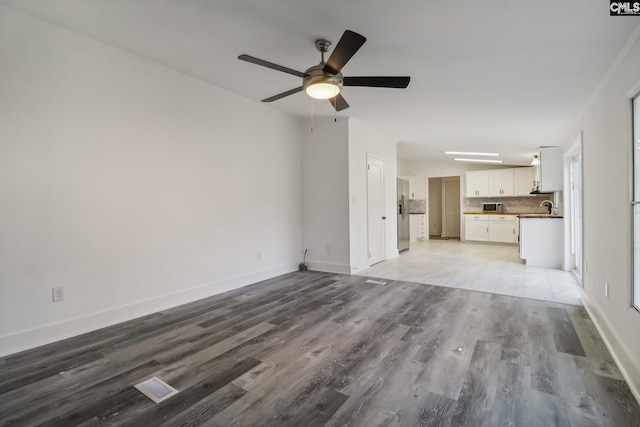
[[316, 74]]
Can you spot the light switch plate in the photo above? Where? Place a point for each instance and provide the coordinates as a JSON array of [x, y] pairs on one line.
[[58, 294]]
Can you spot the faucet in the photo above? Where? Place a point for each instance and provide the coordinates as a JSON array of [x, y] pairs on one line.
[[549, 203]]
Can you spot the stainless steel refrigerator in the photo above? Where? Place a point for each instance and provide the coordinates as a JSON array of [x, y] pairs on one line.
[[403, 214]]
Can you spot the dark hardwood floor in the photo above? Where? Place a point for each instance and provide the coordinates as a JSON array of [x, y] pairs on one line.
[[314, 349]]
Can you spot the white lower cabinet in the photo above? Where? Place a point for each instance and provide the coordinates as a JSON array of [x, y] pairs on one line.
[[416, 227], [476, 227], [492, 228], [503, 228]]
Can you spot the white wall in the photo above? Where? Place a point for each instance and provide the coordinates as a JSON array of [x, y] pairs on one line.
[[364, 141], [134, 187], [334, 170], [325, 177], [607, 140]]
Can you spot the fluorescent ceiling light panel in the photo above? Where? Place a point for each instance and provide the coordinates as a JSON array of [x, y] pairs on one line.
[[464, 153], [477, 160]]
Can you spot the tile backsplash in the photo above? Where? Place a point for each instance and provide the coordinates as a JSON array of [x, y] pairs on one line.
[[527, 204], [417, 206]]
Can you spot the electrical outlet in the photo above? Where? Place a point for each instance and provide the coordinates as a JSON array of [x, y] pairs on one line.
[[57, 294], [606, 289]]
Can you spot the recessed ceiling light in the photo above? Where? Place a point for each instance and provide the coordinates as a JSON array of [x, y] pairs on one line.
[[478, 160], [464, 153]]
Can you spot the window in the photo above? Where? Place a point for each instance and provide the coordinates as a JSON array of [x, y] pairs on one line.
[[635, 203]]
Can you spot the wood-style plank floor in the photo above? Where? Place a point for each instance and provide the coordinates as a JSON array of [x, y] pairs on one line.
[[314, 349]]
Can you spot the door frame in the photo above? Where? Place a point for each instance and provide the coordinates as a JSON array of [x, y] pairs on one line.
[[446, 179], [575, 228], [377, 159]]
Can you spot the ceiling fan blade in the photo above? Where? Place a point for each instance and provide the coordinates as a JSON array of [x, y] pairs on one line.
[[283, 94], [372, 81], [348, 45], [271, 65], [338, 102]]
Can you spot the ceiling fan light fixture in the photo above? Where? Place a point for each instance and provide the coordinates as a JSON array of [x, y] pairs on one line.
[[322, 90]]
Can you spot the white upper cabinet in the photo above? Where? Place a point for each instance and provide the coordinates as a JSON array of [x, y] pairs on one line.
[[550, 170], [523, 181], [513, 182], [417, 186], [477, 183], [500, 182]]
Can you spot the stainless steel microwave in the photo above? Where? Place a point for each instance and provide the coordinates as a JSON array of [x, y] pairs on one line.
[[492, 207]]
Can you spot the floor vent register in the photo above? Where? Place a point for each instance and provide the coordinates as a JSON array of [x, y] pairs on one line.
[[376, 282], [156, 389]]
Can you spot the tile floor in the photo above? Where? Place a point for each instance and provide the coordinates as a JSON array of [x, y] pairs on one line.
[[479, 267]]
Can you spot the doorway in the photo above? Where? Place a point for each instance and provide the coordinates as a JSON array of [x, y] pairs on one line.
[[444, 207], [375, 209]]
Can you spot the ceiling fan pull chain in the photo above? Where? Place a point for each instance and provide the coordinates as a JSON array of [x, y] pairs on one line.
[[311, 101]]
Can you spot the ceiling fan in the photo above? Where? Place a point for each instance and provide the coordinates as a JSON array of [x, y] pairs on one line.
[[324, 81]]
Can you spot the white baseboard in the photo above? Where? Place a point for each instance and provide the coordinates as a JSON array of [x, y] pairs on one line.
[[629, 367], [357, 267], [46, 334], [329, 267]]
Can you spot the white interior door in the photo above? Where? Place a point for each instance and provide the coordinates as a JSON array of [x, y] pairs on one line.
[[375, 209]]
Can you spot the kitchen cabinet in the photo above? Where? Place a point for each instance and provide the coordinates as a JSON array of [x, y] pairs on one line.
[[476, 227], [477, 183], [549, 170], [541, 241], [419, 189], [523, 181], [417, 229], [491, 228], [417, 186], [512, 182], [500, 182], [502, 228]]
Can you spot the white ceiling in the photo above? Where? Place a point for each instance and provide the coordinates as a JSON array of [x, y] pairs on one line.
[[505, 76]]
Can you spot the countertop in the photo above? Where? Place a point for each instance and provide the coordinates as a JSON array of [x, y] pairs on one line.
[[521, 215], [491, 213]]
